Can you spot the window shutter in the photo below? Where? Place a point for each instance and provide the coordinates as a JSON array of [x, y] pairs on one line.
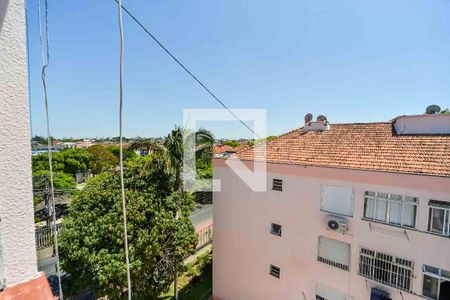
[[325, 293], [337, 199], [334, 253]]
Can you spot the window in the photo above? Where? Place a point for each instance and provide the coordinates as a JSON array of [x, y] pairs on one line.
[[274, 271], [436, 283], [386, 269], [390, 208], [325, 293], [337, 199], [277, 185], [439, 217], [334, 253], [275, 229]]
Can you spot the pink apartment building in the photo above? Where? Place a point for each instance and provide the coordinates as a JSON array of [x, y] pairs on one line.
[[351, 211]]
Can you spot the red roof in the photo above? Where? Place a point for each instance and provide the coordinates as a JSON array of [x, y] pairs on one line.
[[364, 146]]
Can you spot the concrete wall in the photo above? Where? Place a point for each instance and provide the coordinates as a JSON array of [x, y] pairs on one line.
[[16, 198], [244, 248]]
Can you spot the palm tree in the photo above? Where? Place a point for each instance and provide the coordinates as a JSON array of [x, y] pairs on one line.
[[147, 144]]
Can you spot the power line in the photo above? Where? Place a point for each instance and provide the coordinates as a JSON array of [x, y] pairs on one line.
[[45, 53], [185, 68], [122, 186]]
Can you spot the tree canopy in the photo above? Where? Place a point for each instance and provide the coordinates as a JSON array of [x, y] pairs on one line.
[[127, 152], [68, 161], [101, 159], [160, 233]]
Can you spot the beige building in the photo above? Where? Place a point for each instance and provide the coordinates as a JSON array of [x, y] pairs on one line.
[[351, 211]]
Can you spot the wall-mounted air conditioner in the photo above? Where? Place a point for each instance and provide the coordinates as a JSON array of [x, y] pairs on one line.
[[337, 223]]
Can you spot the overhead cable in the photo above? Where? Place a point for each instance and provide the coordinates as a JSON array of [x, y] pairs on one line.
[[45, 55], [185, 68]]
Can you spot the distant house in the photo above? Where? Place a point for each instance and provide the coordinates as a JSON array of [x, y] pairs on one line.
[[84, 144], [226, 150], [351, 211]]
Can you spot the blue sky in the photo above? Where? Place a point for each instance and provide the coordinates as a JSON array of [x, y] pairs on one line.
[[354, 61]]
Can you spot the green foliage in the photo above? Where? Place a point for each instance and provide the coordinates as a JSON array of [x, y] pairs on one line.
[[91, 244], [60, 180], [68, 161], [232, 143], [266, 139], [127, 152], [39, 139], [204, 170], [445, 111], [101, 159]]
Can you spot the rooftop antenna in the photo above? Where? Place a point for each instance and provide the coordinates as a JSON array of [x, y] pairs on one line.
[[308, 117], [433, 109], [321, 118]]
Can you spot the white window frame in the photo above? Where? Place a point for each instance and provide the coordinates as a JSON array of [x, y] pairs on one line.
[[446, 226], [389, 198], [352, 199], [367, 261], [327, 260], [438, 276]]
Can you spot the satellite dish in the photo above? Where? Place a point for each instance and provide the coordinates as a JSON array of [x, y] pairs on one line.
[[321, 118], [433, 109], [308, 117]]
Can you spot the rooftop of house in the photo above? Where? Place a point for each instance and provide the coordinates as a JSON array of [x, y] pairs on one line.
[[407, 144]]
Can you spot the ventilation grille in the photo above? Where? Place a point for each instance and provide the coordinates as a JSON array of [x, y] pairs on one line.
[[277, 185], [275, 271]]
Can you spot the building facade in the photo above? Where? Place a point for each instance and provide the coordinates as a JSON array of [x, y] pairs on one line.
[[352, 211], [19, 278]]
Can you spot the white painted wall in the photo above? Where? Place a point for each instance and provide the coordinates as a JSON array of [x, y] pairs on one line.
[[16, 198], [423, 124], [244, 248]]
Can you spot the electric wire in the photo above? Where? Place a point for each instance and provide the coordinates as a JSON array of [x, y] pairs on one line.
[[185, 68], [45, 54], [122, 187]]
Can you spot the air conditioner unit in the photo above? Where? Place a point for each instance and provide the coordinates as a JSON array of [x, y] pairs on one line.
[[336, 223]]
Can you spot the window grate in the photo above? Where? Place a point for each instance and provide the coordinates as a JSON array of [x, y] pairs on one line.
[[277, 185], [386, 269], [274, 271], [275, 229]]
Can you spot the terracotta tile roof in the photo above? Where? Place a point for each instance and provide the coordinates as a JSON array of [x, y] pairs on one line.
[[225, 148], [365, 146]]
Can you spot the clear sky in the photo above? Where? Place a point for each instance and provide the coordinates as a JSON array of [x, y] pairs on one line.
[[354, 61]]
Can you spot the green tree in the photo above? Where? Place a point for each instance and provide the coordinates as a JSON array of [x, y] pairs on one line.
[[68, 161], [445, 111], [146, 144], [232, 143], [60, 180], [101, 159], [127, 152], [160, 233]]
